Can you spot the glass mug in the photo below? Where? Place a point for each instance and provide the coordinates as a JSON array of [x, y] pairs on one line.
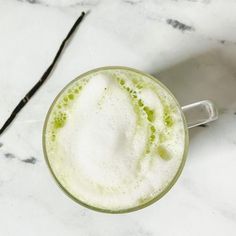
[[193, 115]]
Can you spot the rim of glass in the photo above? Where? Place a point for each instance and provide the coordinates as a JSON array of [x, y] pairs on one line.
[[166, 189]]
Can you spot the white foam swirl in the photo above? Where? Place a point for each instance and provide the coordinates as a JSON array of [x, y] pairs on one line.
[[121, 143]]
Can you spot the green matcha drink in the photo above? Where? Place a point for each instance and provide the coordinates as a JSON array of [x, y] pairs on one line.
[[115, 139]]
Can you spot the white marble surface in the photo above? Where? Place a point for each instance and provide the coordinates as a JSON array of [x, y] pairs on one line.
[[190, 45]]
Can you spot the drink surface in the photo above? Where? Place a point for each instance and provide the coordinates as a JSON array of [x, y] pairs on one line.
[[115, 139]]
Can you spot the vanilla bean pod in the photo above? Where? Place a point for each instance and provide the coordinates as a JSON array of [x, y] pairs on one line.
[[44, 77]]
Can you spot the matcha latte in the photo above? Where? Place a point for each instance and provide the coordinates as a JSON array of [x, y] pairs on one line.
[[115, 139]]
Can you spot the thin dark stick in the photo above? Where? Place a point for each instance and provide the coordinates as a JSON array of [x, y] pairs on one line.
[[44, 77]]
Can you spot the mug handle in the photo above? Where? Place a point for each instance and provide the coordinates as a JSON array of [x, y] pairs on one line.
[[200, 113]]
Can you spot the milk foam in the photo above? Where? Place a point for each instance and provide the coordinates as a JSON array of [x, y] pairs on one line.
[[115, 139]]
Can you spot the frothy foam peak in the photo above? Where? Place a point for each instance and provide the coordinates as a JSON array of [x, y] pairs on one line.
[[115, 139]]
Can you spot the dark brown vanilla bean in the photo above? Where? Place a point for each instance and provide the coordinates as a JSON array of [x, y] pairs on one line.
[[44, 77]]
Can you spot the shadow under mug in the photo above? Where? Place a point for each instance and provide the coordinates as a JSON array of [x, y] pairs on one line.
[[194, 114]]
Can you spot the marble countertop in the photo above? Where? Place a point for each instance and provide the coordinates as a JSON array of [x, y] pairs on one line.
[[190, 45]]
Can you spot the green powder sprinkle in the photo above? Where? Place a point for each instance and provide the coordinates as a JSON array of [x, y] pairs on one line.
[[162, 137], [122, 82], [168, 120], [163, 153], [140, 103], [71, 96], [59, 120], [153, 129], [139, 86], [152, 138], [65, 99], [167, 117], [150, 113]]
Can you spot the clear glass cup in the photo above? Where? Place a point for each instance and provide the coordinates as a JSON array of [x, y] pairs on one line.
[[194, 114]]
